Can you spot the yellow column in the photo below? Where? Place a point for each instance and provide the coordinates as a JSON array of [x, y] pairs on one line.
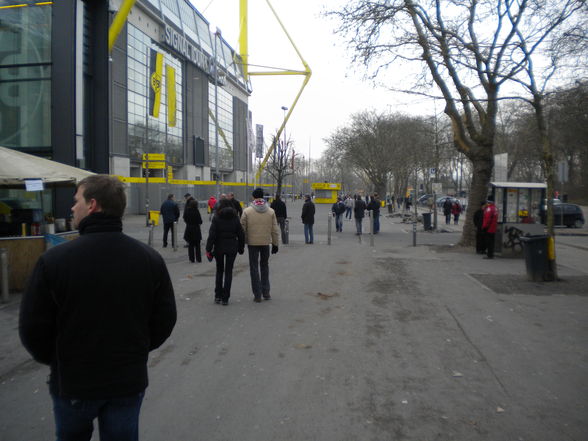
[[243, 36]]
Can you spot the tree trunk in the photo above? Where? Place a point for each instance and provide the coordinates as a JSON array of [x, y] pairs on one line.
[[482, 173]]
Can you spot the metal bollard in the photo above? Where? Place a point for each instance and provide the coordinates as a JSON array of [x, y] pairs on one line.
[[329, 228], [150, 239], [175, 236], [4, 265], [371, 218]]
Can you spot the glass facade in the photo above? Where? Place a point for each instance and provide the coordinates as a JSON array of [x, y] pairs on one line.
[[25, 78], [149, 134], [225, 123]]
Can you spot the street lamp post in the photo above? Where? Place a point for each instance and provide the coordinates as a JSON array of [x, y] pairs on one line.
[[284, 108]]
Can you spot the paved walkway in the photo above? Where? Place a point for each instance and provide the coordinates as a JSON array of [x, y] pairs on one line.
[[359, 342]]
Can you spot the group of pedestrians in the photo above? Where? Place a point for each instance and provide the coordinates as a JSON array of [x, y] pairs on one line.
[[354, 207], [231, 228], [451, 207]]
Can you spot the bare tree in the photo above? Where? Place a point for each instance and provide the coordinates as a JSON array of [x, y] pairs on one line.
[[380, 146], [468, 49], [548, 28], [281, 162]]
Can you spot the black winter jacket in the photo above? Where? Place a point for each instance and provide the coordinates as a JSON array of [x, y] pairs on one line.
[[308, 211], [226, 234], [193, 221], [93, 310], [279, 207], [169, 211], [359, 209]]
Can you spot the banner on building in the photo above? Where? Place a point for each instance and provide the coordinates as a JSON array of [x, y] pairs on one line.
[[155, 77], [258, 141], [170, 85]]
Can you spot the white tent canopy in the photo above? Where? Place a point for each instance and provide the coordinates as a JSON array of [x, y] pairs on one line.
[[16, 166]]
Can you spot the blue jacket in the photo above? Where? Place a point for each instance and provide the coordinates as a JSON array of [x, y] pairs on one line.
[[169, 211]]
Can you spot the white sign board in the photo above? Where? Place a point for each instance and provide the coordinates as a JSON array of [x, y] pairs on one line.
[[34, 185]]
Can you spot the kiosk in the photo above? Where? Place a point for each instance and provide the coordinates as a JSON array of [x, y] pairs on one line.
[[325, 193], [521, 209]]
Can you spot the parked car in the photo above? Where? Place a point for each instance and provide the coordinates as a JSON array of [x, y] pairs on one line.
[[569, 215], [441, 200], [424, 199]]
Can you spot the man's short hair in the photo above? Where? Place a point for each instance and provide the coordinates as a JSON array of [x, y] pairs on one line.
[[108, 191], [187, 195], [257, 193], [170, 196]]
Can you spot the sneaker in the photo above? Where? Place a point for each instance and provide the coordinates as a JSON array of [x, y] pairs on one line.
[[267, 297], [225, 302], [257, 299], [217, 300]]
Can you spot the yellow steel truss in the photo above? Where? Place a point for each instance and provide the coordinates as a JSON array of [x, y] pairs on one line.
[[244, 49]]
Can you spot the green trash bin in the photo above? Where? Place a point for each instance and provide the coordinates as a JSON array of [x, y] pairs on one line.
[[535, 252]]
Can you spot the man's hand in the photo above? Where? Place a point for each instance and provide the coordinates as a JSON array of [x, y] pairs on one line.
[[274, 249]]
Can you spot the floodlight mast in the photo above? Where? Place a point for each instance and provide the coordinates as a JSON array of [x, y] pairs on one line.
[[244, 49]]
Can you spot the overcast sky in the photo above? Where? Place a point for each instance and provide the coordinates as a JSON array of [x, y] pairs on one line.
[[336, 89]]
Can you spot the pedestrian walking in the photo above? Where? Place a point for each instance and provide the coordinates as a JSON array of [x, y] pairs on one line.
[[374, 207], [192, 234], [349, 207], [307, 216], [489, 225], [447, 210], [260, 227], [478, 220], [359, 213], [456, 211], [236, 204], [171, 213], [225, 240], [210, 206], [338, 208], [93, 310], [279, 207]]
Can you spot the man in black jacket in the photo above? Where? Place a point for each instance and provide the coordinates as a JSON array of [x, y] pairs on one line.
[[171, 213], [279, 207], [374, 206], [93, 310], [308, 211]]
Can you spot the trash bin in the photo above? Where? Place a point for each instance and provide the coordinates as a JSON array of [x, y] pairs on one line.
[[154, 217], [535, 252], [427, 221]]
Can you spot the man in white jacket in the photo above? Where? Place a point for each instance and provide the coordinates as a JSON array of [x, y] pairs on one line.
[[260, 226]]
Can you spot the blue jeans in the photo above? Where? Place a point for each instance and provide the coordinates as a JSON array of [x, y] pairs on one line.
[[339, 222], [376, 222], [118, 418], [348, 213], [308, 236], [358, 221], [259, 269]]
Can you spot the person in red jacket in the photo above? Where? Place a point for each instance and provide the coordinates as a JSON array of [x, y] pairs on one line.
[[489, 226]]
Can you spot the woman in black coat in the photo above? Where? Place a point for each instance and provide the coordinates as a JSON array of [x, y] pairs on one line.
[[192, 235], [225, 240]]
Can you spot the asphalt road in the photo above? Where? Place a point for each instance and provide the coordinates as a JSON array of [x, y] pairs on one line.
[[391, 342]]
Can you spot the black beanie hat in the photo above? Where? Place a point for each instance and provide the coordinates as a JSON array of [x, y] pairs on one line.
[[257, 193]]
